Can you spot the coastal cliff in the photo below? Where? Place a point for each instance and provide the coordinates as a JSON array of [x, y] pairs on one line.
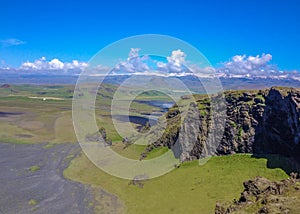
[[257, 121]]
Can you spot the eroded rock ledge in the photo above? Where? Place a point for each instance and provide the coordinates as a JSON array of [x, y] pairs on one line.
[[261, 195]]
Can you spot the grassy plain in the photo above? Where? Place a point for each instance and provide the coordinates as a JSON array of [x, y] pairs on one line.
[[35, 114], [43, 113]]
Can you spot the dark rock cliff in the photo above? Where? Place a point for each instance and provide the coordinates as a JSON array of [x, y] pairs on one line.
[[258, 121]]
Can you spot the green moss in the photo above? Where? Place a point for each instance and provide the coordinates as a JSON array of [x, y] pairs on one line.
[[201, 106], [250, 102], [32, 202], [172, 112], [261, 104], [233, 124], [204, 106], [240, 131], [203, 112], [34, 168], [260, 97]]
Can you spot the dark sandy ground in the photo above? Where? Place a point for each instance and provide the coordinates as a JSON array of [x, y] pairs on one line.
[[45, 190]]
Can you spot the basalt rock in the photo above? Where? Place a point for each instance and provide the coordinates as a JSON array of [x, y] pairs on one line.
[[258, 121]]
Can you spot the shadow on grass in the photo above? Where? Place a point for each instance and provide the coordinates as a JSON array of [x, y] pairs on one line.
[[142, 121], [287, 164]]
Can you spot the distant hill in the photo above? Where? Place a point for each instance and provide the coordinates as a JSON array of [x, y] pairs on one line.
[[192, 82]]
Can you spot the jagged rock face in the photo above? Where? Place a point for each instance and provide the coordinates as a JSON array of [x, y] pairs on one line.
[[265, 121], [261, 195], [189, 143], [279, 131], [243, 113]]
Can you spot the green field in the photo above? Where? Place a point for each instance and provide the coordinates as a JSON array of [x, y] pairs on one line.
[[43, 113], [35, 114], [188, 189]]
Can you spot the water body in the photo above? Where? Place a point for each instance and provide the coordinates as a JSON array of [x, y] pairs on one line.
[[152, 117], [163, 105]]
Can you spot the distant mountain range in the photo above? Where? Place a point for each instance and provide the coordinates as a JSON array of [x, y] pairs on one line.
[[192, 82]]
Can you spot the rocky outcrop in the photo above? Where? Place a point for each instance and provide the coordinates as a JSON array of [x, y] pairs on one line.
[[258, 121], [279, 130], [100, 137], [263, 122], [261, 195]]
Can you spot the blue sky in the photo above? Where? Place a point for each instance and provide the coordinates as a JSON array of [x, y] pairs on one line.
[[219, 29]]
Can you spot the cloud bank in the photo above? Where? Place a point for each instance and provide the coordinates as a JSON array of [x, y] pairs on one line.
[[55, 64], [173, 65], [251, 66], [254, 67], [133, 64], [239, 66]]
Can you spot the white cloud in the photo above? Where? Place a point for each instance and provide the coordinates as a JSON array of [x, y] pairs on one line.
[[55, 64], [133, 64], [145, 65], [173, 65], [177, 58], [176, 64], [11, 42], [254, 66], [249, 66]]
